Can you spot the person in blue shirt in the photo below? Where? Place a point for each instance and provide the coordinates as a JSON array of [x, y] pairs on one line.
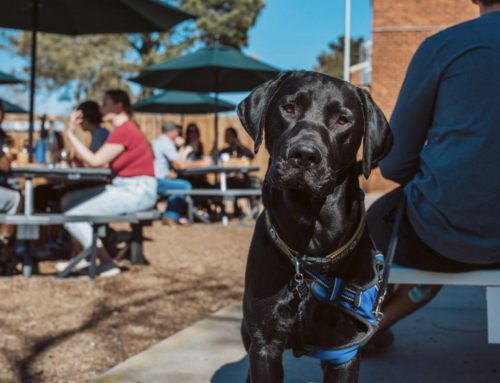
[[446, 127], [87, 115], [167, 157]]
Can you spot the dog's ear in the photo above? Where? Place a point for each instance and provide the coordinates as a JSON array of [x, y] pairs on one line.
[[252, 110], [377, 140]]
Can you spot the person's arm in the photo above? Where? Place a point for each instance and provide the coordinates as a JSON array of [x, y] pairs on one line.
[[185, 151], [180, 164], [245, 152], [412, 116], [4, 163], [106, 154]]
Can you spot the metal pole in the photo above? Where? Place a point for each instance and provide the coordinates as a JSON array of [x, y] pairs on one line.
[[182, 119], [347, 40], [32, 80], [216, 111]]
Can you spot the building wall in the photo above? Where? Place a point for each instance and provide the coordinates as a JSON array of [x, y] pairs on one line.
[[399, 27]]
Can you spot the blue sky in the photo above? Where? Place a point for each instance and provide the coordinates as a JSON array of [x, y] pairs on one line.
[[289, 34]]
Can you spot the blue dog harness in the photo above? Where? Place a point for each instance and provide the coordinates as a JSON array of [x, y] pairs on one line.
[[362, 303]]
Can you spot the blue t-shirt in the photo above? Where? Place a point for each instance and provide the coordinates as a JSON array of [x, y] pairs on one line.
[[165, 152], [446, 127], [99, 137]]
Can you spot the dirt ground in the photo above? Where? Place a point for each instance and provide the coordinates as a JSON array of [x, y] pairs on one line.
[[72, 331]]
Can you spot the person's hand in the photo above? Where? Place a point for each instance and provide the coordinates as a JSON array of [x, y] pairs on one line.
[[207, 161], [75, 119], [179, 141], [77, 163]]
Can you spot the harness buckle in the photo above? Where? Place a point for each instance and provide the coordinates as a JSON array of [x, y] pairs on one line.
[[378, 314], [300, 286]]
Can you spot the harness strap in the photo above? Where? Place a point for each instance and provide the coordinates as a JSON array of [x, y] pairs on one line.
[[392, 249]]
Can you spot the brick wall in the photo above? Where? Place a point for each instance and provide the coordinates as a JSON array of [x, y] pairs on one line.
[[399, 27]]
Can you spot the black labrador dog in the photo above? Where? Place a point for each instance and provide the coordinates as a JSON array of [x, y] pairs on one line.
[[314, 125]]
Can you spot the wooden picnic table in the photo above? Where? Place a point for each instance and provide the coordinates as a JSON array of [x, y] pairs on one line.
[[223, 171], [64, 174], [219, 169]]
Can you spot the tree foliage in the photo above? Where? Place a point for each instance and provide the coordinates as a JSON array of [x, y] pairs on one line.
[[83, 66], [229, 20], [332, 62], [226, 20], [86, 66]]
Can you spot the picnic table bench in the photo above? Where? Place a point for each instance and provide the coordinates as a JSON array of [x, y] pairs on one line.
[[488, 278], [28, 228], [226, 195]]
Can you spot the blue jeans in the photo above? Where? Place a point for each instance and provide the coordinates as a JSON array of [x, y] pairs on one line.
[[175, 201]]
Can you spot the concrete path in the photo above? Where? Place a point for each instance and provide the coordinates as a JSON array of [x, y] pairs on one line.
[[444, 342]]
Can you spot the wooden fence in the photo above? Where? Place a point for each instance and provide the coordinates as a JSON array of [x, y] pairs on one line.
[[150, 125]]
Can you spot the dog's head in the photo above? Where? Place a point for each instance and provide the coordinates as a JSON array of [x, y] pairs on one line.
[[314, 125]]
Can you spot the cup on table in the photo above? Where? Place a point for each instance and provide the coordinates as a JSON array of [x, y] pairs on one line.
[[225, 157]]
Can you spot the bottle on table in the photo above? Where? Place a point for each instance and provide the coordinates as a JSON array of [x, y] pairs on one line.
[[52, 147], [23, 155]]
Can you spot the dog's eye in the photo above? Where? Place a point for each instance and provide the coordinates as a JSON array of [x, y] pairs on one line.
[[289, 108], [342, 120]]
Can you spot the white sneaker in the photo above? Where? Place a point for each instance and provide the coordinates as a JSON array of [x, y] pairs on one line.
[[60, 266], [107, 270]]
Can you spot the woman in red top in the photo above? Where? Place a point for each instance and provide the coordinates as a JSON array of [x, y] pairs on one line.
[[134, 185]]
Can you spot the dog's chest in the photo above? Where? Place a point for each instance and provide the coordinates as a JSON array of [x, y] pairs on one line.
[[302, 321]]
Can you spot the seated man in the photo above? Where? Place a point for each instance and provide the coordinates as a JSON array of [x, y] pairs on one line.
[[445, 156], [10, 203], [167, 157], [235, 148]]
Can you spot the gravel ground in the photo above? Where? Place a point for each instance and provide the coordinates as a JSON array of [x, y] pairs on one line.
[[72, 331]]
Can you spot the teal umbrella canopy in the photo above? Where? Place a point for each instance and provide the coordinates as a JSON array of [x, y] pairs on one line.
[[8, 79], [181, 103], [11, 108], [215, 68], [72, 17], [76, 17]]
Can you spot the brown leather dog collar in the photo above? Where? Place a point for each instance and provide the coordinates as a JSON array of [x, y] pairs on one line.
[[334, 257]]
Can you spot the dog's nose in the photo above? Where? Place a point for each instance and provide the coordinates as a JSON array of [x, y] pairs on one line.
[[306, 153]]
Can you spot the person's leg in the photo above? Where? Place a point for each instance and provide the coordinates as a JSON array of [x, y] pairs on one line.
[[176, 202], [405, 300], [401, 300], [102, 204], [10, 203], [125, 195]]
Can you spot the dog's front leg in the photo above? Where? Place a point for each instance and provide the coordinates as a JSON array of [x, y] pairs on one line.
[[266, 364], [344, 373]]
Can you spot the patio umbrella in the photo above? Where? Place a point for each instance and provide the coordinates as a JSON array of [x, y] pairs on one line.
[[215, 68], [178, 102], [8, 79], [72, 17], [11, 108]]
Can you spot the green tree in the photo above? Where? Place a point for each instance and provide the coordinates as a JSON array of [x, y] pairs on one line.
[[332, 62], [226, 20], [84, 66], [230, 20]]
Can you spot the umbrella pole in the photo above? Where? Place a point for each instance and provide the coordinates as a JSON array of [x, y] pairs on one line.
[[32, 80], [215, 152], [182, 117]]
